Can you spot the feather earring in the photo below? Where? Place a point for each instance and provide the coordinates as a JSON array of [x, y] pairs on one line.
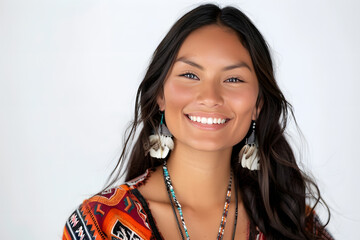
[[248, 155], [161, 142]]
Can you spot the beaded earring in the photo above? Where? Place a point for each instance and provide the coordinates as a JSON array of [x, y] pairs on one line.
[[161, 142], [248, 155]]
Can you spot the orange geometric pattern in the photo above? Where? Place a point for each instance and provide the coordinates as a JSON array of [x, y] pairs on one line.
[[117, 215], [114, 214], [116, 195]]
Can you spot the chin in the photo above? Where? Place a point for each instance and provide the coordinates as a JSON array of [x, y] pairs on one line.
[[208, 146]]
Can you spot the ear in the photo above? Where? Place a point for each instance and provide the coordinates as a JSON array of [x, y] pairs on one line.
[[257, 109], [161, 102]]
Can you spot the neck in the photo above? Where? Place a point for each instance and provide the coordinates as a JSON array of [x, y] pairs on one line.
[[199, 175]]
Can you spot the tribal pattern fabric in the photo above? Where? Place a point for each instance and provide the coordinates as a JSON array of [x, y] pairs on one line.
[[122, 213], [114, 214]]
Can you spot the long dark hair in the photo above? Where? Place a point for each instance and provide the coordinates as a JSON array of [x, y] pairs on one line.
[[274, 197]]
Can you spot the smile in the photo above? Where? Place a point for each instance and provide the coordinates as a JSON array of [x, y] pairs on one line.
[[205, 120]]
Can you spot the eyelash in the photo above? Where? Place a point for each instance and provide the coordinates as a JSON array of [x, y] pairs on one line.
[[234, 78], [190, 75], [193, 76]]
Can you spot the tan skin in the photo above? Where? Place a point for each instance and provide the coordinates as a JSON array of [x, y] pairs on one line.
[[212, 76]]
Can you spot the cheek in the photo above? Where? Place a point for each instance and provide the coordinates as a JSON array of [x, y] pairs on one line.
[[242, 100], [176, 95], [243, 104]]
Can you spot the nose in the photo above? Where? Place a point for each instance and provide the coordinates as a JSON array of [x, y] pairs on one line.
[[210, 95]]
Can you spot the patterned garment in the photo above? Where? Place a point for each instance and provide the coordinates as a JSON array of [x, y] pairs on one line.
[[117, 213], [122, 213]]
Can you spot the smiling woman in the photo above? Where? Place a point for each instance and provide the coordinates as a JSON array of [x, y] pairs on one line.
[[212, 78], [210, 96]]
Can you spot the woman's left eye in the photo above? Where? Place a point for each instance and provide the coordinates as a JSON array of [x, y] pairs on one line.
[[233, 80]]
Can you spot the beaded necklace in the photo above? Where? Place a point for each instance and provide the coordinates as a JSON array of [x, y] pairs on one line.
[[174, 201]]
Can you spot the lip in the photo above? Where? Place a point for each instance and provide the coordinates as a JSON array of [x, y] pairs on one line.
[[207, 115]]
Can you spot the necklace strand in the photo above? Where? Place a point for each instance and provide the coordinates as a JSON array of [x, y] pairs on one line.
[[226, 210], [174, 211], [177, 204], [236, 209], [174, 201]]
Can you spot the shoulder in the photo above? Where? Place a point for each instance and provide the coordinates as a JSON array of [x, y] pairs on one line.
[[115, 212]]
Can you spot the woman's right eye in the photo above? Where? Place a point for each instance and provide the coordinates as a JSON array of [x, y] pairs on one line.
[[190, 75]]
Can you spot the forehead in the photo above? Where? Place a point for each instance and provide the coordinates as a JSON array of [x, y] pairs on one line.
[[215, 44]]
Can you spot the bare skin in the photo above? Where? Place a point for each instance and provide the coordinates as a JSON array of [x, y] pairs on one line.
[[202, 221], [213, 77]]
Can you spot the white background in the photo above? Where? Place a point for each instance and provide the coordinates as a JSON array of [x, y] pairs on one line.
[[69, 70]]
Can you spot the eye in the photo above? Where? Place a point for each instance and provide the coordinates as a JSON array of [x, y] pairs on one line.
[[190, 75], [233, 80]]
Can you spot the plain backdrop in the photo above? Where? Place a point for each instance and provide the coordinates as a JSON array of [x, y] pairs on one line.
[[69, 71]]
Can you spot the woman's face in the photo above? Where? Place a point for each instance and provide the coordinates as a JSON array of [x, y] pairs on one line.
[[210, 93]]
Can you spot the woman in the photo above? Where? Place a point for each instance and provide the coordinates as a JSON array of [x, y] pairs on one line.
[[211, 159]]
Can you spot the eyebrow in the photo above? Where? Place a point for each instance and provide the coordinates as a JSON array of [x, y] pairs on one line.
[[227, 68]]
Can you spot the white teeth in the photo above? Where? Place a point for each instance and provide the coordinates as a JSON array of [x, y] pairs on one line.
[[209, 121]]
